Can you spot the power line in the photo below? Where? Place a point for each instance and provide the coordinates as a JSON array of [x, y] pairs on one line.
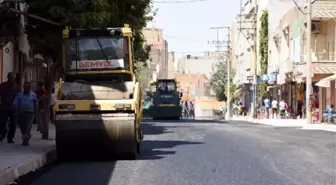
[[176, 2], [182, 39]]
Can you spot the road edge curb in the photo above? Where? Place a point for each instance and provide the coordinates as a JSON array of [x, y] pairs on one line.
[[13, 173], [260, 122]]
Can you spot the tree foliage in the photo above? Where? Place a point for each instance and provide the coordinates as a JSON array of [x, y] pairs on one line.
[[45, 38], [143, 75], [218, 80], [233, 89], [263, 51]]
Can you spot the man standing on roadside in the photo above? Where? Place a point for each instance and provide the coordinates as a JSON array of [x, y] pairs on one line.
[[8, 91], [41, 96], [275, 108], [267, 103], [25, 104]]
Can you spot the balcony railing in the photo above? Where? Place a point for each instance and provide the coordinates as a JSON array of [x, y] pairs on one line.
[[320, 57]]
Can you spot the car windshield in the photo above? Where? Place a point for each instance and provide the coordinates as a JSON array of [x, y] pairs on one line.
[[86, 54]]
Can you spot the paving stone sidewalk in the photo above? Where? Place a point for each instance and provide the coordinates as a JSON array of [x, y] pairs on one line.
[[17, 160], [298, 123]]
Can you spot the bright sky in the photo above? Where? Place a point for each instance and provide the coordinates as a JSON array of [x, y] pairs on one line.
[[186, 26]]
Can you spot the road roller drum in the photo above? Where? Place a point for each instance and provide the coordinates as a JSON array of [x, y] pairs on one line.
[[103, 136]]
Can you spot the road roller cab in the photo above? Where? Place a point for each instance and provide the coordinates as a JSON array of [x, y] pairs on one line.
[[166, 100], [99, 107]]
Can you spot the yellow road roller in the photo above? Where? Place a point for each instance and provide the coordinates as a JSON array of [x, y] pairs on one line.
[[99, 103]]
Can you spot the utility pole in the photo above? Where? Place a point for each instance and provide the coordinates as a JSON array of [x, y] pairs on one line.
[[255, 63], [217, 42], [309, 64], [228, 62]]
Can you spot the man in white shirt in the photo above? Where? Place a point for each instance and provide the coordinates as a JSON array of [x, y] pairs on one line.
[[275, 108], [282, 108]]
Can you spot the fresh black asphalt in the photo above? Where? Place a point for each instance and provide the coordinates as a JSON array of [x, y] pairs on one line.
[[204, 152]]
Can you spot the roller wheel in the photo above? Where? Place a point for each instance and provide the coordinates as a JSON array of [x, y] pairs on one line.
[[132, 155], [61, 150], [139, 141], [138, 148]]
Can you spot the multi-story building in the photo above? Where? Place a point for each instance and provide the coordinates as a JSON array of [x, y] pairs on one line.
[[288, 54], [283, 43], [247, 47], [193, 85], [171, 61], [163, 72], [14, 46], [158, 57], [197, 64]]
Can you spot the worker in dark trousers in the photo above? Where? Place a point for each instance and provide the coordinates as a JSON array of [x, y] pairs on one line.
[[191, 108], [25, 105], [8, 91], [41, 93]]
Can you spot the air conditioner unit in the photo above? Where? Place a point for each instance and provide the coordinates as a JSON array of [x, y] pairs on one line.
[[316, 27]]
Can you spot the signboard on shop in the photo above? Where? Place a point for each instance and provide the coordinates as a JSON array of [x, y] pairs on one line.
[[97, 64]]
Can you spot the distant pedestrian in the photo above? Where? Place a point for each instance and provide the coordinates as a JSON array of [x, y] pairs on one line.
[[223, 111], [41, 96], [52, 103], [267, 103], [283, 107], [240, 108], [191, 108], [331, 112], [186, 110], [8, 91], [275, 108], [25, 104], [234, 108]]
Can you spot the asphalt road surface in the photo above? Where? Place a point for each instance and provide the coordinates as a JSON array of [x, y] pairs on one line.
[[210, 153]]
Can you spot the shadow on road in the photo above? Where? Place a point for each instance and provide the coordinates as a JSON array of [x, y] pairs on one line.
[[85, 173], [157, 149], [200, 120], [151, 129]]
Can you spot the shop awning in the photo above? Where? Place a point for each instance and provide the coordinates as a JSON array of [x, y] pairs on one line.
[[326, 82]]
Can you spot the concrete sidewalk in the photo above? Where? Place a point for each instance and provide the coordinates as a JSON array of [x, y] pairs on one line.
[[298, 123], [17, 160]]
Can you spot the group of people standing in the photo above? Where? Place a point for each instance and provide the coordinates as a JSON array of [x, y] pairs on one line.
[[22, 107], [275, 109], [188, 109]]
